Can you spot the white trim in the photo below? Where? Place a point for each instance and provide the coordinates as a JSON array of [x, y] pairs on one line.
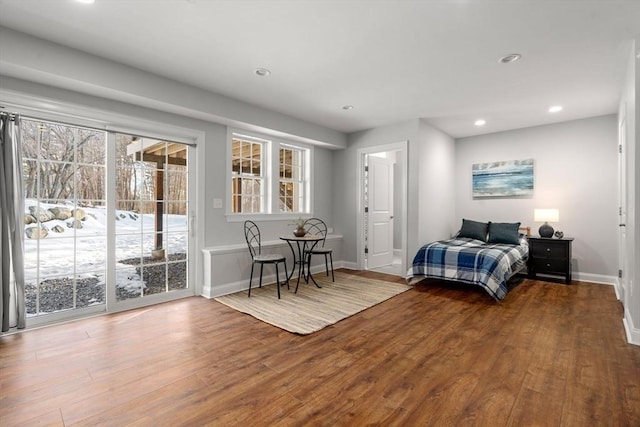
[[45, 319], [270, 176], [237, 279], [242, 247], [77, 115], [243, 285], [633, 333], [259, 217], [595, 278], [110, 122]]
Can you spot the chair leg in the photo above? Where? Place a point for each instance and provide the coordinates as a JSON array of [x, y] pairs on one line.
[[261, 268], [331, 258], [251, 278], [326, 264], [285, 274], [277, 280]]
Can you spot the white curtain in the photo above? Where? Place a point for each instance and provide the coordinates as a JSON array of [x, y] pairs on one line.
[[12, 306]]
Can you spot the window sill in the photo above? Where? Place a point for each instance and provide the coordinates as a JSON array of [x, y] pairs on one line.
[[267, 217]]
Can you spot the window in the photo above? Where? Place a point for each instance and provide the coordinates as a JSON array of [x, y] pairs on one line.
[[291, 179], [247, 194], [64, 170], [268, 176]]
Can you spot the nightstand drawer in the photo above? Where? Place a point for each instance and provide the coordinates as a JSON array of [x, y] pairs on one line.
[[549, 265], [549, 250]]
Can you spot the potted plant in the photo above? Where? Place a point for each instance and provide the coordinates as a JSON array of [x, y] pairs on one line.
[[299, 230]]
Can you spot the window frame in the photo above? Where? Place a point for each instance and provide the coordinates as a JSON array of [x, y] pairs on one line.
[[271, 177], [69, 114], [302, 181], [261, 178]]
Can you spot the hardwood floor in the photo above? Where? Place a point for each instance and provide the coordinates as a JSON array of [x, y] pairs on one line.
[[438, 354]]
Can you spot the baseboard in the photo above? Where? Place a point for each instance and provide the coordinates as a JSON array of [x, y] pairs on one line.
[[227, 268], [596, 278], [242, 285], [633, 333], [349, 265]]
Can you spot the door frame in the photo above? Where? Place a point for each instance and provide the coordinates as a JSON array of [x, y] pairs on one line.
[[112, 304], [403, 157], [375, 218], [622, 283]]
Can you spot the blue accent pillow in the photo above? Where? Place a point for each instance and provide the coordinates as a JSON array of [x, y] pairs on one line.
[[504, 232], [474, 229]]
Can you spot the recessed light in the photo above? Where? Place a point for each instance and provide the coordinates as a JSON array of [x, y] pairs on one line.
[[86, 1], [555, 108], [262, 72], [512, 57], [347, 107], [480, 122]]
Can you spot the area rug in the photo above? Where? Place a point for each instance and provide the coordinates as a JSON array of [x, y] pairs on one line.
[[312, 309]]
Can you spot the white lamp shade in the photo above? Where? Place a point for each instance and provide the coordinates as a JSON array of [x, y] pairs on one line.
[[546, 215]]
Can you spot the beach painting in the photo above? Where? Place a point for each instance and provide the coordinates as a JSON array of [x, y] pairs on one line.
[[503, 179]]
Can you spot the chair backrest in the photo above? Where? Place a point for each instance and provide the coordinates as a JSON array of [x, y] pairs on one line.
[[252, 236], [316, 226]]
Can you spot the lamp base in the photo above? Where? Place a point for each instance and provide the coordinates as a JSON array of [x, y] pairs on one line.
[[545, 230]]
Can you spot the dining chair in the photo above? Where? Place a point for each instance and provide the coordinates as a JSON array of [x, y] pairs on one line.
[[318, 227], [252, 236]]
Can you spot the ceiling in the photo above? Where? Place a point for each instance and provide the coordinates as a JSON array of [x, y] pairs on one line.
[[391, 60]]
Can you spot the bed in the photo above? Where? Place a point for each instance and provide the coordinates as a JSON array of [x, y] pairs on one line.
[[480, 254]]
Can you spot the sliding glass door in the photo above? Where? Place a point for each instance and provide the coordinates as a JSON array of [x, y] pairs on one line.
[[151, 221], [106, 220], [65, 237]]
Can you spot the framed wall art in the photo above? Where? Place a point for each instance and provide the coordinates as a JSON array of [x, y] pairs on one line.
[[503, 179]]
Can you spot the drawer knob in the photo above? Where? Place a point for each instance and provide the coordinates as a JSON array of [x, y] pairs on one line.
[[548, 265], [548, 249]]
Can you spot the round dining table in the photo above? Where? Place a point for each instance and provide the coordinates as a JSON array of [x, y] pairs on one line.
[[299, 258]]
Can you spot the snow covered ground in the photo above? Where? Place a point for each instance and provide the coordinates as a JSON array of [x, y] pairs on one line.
[[83, 251]]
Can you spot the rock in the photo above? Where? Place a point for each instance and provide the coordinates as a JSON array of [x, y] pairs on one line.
[[42, 215], [79, 214], [61, 213], [58, 229], [36, 232], [29, 219], [76, 223]]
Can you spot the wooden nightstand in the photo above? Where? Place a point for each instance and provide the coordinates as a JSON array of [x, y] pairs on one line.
[[550, 256]]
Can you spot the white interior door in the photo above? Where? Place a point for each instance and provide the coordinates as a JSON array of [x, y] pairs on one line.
[[380, 215]]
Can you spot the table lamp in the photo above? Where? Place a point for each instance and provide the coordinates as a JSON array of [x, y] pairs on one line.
[[546, 216]]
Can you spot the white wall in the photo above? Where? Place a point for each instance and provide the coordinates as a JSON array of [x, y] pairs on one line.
[[345, 167], [41, 61], [105, 86], [575, 170], [436, 186], [431, 178]]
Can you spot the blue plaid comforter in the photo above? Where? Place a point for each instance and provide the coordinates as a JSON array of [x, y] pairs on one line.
[[470, 261]]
